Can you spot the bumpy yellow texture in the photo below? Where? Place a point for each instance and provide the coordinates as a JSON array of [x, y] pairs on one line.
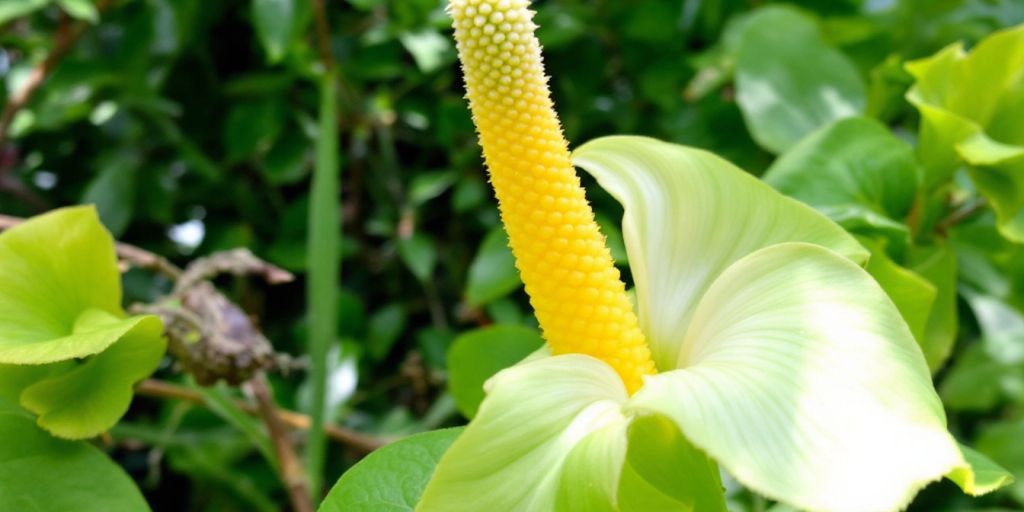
[[573, 285]]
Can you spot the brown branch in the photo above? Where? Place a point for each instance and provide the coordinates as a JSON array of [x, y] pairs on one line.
[[130, 255], [67, 35], [961, 214], [292, 472], [323, 34], [358, 441]]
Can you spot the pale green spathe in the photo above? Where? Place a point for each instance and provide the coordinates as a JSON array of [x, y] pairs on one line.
[[536, 416], [802, 344], [781, 359], [689, 215]]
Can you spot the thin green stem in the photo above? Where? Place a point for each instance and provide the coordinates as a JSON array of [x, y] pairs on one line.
[[324, 272]]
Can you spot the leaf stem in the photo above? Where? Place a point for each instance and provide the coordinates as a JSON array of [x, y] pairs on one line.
[[359, 442]]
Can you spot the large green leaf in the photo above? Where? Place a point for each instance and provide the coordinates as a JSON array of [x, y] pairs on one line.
[[856, 172], [87, 399], [392, 478], [972, 112], [477, 355], [789, 81], [40, 472], [550, 431], [799, 376], [53, 268], [688, 216]]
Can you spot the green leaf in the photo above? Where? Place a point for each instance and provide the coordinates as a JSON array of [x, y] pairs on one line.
[[972, 111], [492, 274], [427, 186], [385, 326], [274, 21], [913, 295], [667, 471], [977, 382], [938, 264], [540, 418], [40, 472], [856, 172], [80, 9], [53, 268], [1001, 442], [251, 128], [429, 49], [324, 265], [789, 81], [419, 255], [392, 478], [688, 216], [11, 9], [88, 399], [113, 193], [477, 355], [802, 380], [981, 475]]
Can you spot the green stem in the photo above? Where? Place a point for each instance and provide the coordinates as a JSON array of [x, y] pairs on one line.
[[324, 272]]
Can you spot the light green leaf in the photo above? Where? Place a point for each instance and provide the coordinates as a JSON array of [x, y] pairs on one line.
[[938, 265], [972, 112], [853, 170], [274, 21], [53, 268], [536, 416], [89, 398], [799, 376], [667, 471], [80, 9], [492, 274], [40, 472], [477, 355], [913, 295], [392, 478], [981, 475], [688, 216], [11, 9], [789, 81]]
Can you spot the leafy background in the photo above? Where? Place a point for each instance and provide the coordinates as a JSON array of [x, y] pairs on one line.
[[192, 126]]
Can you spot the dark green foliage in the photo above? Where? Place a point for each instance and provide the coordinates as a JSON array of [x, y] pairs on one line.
[[193, 126]]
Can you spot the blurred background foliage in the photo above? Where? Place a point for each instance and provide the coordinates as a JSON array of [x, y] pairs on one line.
[[192, 125]]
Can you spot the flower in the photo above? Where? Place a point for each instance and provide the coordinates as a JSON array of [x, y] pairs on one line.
[[778, 357]]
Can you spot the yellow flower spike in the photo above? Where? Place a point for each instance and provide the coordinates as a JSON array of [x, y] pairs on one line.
[[561, 254]]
